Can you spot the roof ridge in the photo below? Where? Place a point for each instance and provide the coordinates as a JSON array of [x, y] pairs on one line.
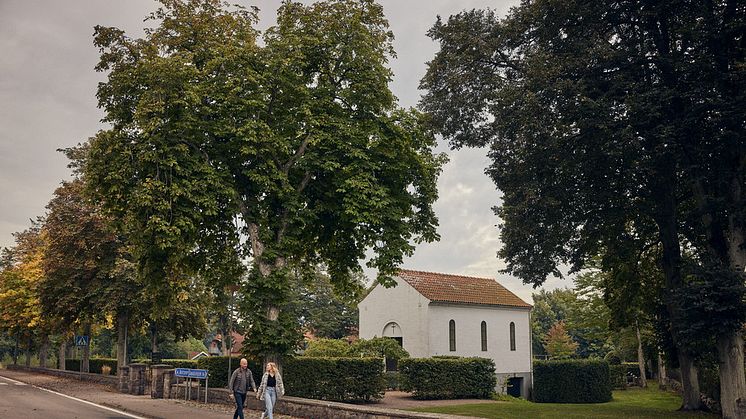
[[427, 284], [446, 274]]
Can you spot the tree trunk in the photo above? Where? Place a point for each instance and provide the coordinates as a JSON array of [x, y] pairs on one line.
[[28, 351], [641, 358], [153, 338], [122, 326], [44, 351], [732, 379], [662, 376], [689, 383], [61, 354], [85, 364], [666, 218], [15, 351]]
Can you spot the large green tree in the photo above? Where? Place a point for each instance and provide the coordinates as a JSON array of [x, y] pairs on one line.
[[604, 115], [299, 140]]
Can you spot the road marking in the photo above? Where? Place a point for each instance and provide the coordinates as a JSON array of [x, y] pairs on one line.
[[3, 384], [119, 412]]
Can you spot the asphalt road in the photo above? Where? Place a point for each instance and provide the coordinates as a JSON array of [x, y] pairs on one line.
[[22, 401]]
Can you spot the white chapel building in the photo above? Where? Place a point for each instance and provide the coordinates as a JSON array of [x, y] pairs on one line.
[[439, 314]]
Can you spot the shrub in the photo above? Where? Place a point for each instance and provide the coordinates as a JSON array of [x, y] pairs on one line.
[[448, 378], [217, 369], [572, 381], [378, 348], [362, 348], [393, 378], [618, 376], [180, 363], [327, 348], [337, 379]]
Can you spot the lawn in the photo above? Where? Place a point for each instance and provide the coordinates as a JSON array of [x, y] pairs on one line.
[[632, 403]]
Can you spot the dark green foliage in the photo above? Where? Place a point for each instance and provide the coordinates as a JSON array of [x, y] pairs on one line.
[[618, 376], [217, 369], [448, 377], [572, 381], [393, 380], [337, 379], [95, 365]]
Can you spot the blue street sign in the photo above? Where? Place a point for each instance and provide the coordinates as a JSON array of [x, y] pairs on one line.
[[190, 373], [82, 340]]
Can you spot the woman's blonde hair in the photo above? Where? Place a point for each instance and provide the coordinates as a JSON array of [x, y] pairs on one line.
[[273, 366]]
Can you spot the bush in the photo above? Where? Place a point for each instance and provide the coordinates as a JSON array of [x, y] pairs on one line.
[[217, 369], [393, 378], [572, 381], [362, 348], [337, 379], [319, 348], [618, 376], [448, 378]]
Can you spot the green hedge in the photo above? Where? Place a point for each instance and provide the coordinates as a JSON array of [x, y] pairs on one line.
[[618, 376], [572, 381], [337, 379], [94, 365], [393, 379], [448, 378], [217, 369]]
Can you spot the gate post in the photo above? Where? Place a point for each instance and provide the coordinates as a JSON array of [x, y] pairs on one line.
[[156, 387], [137, 379]]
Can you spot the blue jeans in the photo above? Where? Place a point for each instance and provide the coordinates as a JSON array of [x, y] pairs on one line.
[[270, 398], [240, 397]]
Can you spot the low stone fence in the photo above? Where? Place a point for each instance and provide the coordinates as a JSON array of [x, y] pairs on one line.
[[303, 408], [110, 380]]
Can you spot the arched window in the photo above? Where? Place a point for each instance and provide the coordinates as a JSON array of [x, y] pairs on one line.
[[512, 336], [452, 335], [484, 335]]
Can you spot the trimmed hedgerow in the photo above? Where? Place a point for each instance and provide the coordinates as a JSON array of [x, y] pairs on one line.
[[337, 379], [448, 378], [572, 381], [94, 365], [217, 369]]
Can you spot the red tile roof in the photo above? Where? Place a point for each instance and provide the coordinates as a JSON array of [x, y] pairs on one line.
[[461, 289]]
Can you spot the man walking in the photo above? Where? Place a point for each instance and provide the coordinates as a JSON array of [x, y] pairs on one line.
[[239, 384]]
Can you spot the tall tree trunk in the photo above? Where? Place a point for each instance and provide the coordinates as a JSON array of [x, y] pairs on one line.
[[730, 346], [640, 358], [122, 327], [29, 343], [61, 354], [662, 376], [44, 350], [15, 350], [85, 364], [667, 221], [732, 379], [153, 338]]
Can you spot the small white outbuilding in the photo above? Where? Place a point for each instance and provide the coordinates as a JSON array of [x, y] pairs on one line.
[[439, 314]]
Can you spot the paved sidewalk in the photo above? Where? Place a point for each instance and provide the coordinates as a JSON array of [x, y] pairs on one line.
[[137, 405]]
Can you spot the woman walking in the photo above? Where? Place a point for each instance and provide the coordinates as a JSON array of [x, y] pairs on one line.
[[270, 389]]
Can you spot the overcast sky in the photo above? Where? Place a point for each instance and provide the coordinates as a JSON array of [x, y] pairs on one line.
[[47, 101]]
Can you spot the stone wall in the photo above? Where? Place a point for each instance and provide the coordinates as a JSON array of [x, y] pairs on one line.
[[110, 380], [305, 408]]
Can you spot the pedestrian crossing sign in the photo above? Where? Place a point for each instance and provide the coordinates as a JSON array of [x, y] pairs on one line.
[[82, 340]]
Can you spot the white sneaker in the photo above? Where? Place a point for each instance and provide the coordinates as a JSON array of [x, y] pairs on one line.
[[263, 413]]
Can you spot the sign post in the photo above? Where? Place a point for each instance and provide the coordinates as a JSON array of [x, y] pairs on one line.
[[189, 374], [83, 340]]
